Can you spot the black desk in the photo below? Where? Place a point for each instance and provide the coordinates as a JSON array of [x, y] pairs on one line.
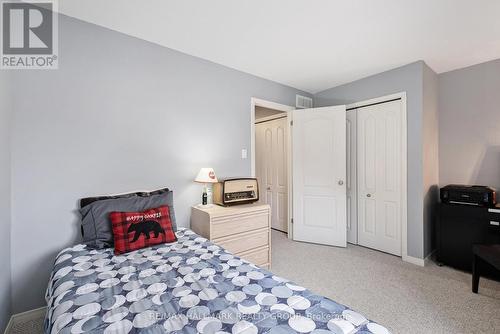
[[459, 227]]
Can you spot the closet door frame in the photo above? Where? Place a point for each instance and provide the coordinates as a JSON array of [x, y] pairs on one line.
[[404, 165], [256, 102]]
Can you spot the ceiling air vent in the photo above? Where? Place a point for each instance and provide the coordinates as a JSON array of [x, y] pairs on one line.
[[303, 102]]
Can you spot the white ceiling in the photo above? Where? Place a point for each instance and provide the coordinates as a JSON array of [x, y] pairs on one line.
[[311, 45]]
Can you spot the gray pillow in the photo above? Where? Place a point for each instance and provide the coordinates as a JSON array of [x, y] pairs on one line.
[[96, 225]]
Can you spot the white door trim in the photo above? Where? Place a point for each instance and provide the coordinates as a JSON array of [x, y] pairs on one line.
[[270, 118], [404, 172], [256, 102]]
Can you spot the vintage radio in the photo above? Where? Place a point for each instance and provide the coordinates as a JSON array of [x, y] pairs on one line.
[[470, 195], [236, 191]]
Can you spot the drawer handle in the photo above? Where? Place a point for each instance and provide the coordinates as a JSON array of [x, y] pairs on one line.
[[494, 223]]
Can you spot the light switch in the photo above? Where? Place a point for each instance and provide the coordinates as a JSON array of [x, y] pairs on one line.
[[244, 153]]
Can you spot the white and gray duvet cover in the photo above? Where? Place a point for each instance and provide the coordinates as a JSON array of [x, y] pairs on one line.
[[190, 286]]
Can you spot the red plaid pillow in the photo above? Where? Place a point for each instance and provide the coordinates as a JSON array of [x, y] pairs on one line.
[[136, 230]]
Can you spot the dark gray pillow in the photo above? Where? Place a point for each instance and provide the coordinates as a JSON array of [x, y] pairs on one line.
[[96, 225], [88, 200]]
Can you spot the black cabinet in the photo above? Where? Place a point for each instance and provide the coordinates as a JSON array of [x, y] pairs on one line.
[[459, 227]]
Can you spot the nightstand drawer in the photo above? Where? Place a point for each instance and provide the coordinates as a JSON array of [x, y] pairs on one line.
[[226, 226], [244, 241], [243, 230], [258, 256]]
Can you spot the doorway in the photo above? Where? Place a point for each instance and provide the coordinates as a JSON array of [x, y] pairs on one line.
[[270, 159], [369, 140]]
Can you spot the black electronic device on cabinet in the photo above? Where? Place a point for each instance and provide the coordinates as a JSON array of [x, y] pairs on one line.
[[459, 226], [470, 195]]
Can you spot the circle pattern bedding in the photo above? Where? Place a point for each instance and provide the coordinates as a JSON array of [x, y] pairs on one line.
[[190, 286]]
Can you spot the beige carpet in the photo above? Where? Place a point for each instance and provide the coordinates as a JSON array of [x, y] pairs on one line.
[[401, 296]]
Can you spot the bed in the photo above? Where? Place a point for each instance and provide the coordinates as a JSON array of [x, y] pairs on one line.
[[189, 286]]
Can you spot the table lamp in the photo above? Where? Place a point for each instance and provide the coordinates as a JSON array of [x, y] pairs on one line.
[[206, 176]]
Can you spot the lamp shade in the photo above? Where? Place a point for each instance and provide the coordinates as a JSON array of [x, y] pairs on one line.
[[206, 175]]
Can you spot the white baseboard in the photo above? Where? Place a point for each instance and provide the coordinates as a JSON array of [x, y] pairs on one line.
[[418, 261], [414, 260], [428, 257], [24, 317], [9, 326]]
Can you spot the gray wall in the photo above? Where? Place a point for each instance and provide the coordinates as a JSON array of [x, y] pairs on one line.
[[120, 114], [408, 78], [430, 140], [5, 279], [469, 124]]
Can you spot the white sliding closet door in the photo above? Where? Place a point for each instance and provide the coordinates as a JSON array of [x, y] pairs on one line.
[[271, 169], [379, 171], [319, 174], [351, 181]]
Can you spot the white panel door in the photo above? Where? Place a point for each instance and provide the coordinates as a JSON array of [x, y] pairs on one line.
[[271, 169], [351, 181], [259, 162], [319, 174], [263, 162], [379, 176]]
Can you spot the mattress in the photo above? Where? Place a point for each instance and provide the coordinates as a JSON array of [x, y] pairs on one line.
[[190, 286]]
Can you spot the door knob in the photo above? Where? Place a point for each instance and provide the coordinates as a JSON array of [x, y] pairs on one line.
[[368, 195], [268, 188], [341, 182]]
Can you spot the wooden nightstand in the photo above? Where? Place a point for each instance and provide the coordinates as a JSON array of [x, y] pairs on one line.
[[244, 230]]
